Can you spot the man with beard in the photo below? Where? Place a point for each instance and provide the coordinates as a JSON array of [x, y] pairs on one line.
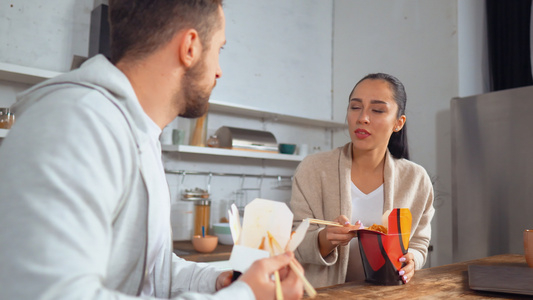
[[84, 204]]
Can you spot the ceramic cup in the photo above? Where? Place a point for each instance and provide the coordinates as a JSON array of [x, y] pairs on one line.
[[528, 246], [178, 137], [303, 149], [166, 136]]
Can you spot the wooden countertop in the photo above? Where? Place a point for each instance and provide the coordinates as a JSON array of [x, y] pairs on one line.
[[444, 282], [185, 250]]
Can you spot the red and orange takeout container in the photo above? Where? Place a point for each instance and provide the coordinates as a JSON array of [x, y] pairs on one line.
[[380, 252]]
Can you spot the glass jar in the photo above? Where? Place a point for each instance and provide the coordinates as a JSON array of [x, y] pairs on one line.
[[7, 119], [202, 213]]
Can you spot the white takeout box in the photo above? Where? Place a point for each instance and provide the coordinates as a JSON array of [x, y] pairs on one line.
[[262, 216]]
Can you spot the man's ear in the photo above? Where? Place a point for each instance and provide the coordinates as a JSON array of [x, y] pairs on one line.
[[190, 47]]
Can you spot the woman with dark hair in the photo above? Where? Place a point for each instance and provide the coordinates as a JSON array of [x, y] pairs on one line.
[[357, 183]]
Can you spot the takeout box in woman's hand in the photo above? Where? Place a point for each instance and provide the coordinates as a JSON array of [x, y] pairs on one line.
[[380, 252]]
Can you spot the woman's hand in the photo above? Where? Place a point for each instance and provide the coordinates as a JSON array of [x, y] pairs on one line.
[[408, 270], [332, 236]]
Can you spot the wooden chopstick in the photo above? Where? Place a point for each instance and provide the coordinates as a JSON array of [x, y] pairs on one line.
[[279, 292], [309, 289], [323, 222]]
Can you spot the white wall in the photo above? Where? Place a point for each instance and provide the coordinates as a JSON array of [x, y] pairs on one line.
[[415, 41], [473, 53], [41, 34], [288, 63], [44, 34], [278, 58]]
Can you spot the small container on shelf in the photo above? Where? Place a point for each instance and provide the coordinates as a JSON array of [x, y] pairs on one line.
[[7, 119], [287, 148], [213, 142], [198, 132]]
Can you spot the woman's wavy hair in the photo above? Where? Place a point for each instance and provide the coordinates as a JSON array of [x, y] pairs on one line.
[[398, 141]]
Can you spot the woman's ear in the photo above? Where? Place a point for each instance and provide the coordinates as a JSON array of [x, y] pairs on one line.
[[400, 123], [190, 47]]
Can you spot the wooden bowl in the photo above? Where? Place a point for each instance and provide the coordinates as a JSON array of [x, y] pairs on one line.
[[204, 244]]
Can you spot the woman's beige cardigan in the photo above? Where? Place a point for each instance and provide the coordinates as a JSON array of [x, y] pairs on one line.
[[321, 189]]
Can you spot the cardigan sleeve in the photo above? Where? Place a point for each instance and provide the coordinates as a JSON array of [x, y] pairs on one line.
[[419, 243], [305, 199]]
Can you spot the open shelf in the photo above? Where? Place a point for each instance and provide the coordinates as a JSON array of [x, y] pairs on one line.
[[3, 133], [21, 74], [242, 110], [28, 75], [229, 152]]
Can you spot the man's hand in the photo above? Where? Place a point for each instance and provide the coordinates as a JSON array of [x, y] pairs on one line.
[[290, 282], [223, 280], [259, 278]]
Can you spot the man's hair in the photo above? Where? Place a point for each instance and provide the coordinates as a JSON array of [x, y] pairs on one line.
[[139, 27]]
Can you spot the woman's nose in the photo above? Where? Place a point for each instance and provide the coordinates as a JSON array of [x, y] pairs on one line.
[[363, 117]]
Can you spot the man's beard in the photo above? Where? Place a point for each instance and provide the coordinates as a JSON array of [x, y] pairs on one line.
[[196, 97]]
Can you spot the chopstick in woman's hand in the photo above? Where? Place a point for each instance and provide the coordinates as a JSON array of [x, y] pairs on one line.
[[323, 222]]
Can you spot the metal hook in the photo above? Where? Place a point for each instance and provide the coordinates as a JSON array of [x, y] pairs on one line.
[[183, 177], [260, 184], [242, 181]]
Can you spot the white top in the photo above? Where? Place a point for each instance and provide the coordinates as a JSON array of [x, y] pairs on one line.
[[159, 212], [368, 209]]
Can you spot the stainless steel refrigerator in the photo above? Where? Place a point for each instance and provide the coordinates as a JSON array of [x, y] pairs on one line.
[[492, 172]]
